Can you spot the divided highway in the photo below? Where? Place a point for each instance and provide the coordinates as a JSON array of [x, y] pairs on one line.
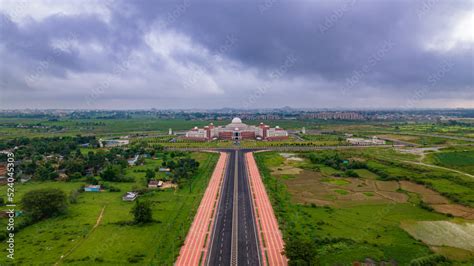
[[234, 239], [225, 230]]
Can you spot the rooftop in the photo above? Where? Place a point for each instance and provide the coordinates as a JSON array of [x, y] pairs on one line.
[[236, 120]]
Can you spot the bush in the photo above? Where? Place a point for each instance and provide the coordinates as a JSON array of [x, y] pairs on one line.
[[114, 189], [351, 173], [300, 251], [92, 180], [75, 175], [425, 206], [73, 196], [431, 260]]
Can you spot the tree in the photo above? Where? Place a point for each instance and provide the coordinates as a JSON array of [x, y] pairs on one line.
[[45, 172], [142, 212], [75, 175], [150, 174], [29, 168], [184, 169], [44, 203], [140, 160], [92, 180], [75, 165], [95, 160], [111, 173]]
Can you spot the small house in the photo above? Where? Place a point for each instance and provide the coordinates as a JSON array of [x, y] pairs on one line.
[[90, 171], [92, 188], [25, 178], [162, 169], [155, 184], [133, 161], [62, 176], [130, 196], [3, 171], [113, 142]]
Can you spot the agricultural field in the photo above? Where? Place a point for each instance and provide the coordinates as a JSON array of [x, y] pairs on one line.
[[321, 205], [29, 127], [396, 196], [405, 128], [325, 139], [423, 140], [97, 228], [44, 127], [460, 160], [454, 130]]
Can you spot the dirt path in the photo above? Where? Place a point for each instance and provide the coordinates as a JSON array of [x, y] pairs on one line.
[[97, 223], [99, 219]]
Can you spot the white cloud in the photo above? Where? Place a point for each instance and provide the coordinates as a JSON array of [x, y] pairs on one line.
[[459, 35], [21, 11]]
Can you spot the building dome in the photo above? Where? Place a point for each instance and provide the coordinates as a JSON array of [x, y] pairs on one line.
[[236, 120]]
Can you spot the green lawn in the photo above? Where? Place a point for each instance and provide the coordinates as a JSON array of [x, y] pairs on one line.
[[112, 243]]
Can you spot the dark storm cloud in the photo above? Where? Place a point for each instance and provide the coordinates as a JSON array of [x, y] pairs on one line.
[[266, 38], [384, 48]]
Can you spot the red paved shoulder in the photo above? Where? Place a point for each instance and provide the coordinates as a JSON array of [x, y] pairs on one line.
[[267, 224]]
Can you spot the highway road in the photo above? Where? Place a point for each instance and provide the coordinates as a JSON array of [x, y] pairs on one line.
[[234, 239], [248, 253]]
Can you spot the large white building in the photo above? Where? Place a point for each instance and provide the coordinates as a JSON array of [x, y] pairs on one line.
[[237, 130], [365, 142]]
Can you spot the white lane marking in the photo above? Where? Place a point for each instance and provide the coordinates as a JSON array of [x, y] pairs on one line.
[[235, 215]]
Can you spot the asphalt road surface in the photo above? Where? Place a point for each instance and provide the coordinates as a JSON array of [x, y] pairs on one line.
[[234, 238]]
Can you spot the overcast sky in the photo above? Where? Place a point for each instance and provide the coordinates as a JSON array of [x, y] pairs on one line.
[[242, 54]]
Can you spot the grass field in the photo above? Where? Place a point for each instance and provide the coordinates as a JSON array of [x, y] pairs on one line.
[[325, 139], [42, 127], [460, 160], [332, 217], [11, 127], [396, 165], [113, 243], [364, 173]]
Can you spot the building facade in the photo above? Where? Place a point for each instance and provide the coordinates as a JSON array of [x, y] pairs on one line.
[[236, 131]]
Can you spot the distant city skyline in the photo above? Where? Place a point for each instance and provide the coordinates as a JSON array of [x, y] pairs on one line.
[[244, 55]]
